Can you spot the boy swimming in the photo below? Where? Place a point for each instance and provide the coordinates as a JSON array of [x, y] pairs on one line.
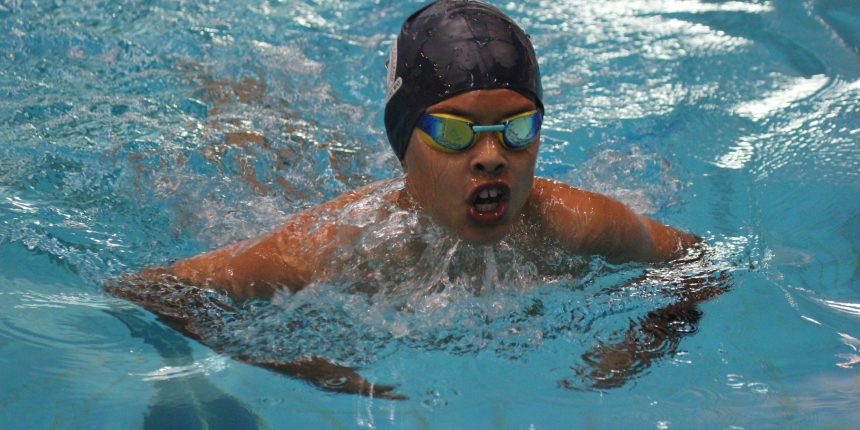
[[463, 115]]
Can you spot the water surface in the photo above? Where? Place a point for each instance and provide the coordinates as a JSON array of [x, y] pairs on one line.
[[138, 132]]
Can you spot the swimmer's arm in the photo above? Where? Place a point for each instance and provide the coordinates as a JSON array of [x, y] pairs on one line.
[[256, 268], [653, 337], [593, 224], [317, 371], [328, 376]]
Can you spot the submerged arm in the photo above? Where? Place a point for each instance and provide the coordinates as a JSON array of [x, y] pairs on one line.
[[648, 339], [593, 224], [328, 376], [195, 312]]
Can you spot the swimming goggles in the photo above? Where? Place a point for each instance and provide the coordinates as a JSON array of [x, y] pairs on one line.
[[451, 133]]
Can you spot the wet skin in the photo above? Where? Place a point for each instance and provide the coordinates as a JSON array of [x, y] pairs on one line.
[[448, 186]]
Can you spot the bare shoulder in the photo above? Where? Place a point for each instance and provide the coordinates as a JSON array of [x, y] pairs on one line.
[[287, 256], [560, 202], [354, 195], [579, 219], [590, 223], [551, 192]]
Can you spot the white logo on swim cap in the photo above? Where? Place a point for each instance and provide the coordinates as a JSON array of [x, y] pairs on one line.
[[392, 82]]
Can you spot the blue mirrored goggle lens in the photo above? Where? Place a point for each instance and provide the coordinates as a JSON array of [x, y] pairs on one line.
[[522, 131], [456, 135], [449, 133]]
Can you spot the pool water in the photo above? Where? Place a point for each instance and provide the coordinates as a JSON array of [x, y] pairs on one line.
[[134, 133]]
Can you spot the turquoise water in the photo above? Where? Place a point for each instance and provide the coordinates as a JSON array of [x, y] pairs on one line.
[[134, 133]]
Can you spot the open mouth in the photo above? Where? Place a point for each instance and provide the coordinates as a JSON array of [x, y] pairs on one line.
[[489, 203], [488, 199]]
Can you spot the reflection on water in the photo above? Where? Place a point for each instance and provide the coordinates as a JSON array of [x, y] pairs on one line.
[[188, 401]]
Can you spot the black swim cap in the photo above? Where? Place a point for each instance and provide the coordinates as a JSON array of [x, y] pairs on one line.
[[449, 47]]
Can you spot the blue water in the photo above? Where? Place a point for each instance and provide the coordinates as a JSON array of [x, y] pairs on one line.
[[138, 132]]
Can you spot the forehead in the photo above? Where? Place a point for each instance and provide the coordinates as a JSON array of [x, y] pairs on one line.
[[484, 105]]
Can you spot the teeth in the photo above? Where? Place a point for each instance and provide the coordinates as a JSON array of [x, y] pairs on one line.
[[490, 193], [487, 207]]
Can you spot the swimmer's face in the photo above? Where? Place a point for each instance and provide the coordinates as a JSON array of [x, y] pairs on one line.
[[479, 192]]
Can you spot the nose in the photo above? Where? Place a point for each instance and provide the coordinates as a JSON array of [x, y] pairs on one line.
[[488, 154]]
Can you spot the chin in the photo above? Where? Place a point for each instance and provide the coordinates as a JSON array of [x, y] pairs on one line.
[[484, 235]]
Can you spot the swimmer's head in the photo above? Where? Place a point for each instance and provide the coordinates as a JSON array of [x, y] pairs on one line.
[[450, 47]]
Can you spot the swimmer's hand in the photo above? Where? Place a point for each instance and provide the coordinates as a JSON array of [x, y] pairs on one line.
[[328, 376]]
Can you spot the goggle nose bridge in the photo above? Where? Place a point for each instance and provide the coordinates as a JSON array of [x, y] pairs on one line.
[[483, 128]]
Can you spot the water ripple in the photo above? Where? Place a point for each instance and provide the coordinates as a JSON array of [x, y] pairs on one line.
[[43, 320], [843, 307]]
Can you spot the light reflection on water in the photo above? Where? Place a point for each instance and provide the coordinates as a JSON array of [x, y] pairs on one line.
[[132, 134]]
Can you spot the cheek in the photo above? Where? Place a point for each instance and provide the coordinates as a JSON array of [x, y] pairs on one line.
[[427, 164], [525, 170], [525, 161], [432, 182], [423, 172]]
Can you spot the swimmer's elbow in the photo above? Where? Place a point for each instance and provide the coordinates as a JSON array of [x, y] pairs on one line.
[[666, 243], [686, 242]]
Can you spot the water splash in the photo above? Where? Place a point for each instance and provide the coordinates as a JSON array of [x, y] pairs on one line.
[[407, 284]]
